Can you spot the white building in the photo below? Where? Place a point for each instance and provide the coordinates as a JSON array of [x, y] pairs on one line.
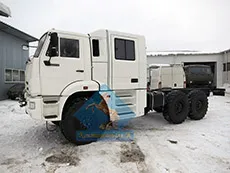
[[226, 66], [219, 62]]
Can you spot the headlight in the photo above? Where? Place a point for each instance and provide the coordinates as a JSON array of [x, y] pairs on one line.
[[210, 82], [190, 81], [32, 105]]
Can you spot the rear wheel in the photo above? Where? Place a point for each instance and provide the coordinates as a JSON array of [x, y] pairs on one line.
[[78, 121], [198, 104], [176, 107]]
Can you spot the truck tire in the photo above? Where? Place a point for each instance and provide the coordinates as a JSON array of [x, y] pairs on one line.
[[71, 124], [176, 107], [198, 104], [159, 109]]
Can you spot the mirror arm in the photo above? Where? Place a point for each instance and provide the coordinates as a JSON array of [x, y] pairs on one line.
[[48, 63], [28, 46]]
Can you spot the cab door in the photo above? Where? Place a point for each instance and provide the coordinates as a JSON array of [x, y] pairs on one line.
[[65, 68], [125, 69], [178, 76]]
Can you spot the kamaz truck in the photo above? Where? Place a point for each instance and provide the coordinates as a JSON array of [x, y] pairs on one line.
[[201, 76], [69, 71]]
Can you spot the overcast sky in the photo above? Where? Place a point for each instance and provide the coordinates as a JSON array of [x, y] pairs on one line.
[[201, 25]]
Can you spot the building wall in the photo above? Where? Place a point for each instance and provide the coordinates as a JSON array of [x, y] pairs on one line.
[[178, 59], [12, 56]]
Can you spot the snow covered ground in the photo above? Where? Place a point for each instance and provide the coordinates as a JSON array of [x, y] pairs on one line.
[[194, 146]]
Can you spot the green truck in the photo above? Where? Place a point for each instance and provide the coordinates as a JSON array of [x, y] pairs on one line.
[[201, 76]]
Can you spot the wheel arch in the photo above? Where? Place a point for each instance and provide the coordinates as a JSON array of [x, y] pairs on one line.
[[76, 90]]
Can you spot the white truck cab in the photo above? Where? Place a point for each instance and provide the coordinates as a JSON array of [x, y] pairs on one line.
[[83, 63], [69, 65]]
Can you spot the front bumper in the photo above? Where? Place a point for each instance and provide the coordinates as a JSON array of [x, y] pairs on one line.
[[44, 108], [34, 107]]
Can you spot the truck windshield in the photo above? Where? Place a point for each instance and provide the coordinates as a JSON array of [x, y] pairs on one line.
[[200, 70], [40, 45]]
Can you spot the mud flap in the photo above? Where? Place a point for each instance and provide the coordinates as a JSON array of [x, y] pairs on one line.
[[219, 92]]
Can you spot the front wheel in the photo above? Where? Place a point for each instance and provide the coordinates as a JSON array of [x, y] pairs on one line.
[[82, 125]]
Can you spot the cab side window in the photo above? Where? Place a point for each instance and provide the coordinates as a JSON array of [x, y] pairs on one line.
[[96, 48], [69, 48], [124, 49]]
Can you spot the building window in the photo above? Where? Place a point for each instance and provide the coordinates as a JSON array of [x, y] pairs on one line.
[[22, 76], [8, 75], [69, 48], [124, 49], [14, 75], [96, 49], [228, 66], [224, 67]]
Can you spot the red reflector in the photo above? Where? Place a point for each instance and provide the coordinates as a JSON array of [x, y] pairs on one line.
[[85, 87], [184, 84]]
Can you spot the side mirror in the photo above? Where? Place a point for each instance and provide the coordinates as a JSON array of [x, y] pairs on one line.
[[53, 47], [54, 39], [53, 52]]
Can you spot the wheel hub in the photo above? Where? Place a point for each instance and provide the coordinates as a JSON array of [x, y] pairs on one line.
[[179, 107], [198, 105]]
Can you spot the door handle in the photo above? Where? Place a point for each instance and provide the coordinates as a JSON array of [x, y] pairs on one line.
[[80, 71], [134, 80]]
